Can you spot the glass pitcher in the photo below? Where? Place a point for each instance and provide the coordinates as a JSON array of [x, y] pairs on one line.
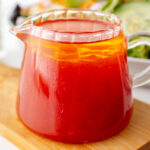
[[75, 86]]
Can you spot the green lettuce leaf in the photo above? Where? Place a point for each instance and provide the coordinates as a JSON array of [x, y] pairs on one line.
[[139, 52]]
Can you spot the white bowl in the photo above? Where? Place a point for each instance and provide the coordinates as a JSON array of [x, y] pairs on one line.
[[136, 65]]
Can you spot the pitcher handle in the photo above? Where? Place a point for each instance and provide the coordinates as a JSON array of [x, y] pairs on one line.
[[142, 77]]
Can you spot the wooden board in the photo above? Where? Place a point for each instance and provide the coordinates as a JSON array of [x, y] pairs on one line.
[[133, 137]]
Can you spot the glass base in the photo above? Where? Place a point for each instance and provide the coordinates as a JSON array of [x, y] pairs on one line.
[[74, 139]]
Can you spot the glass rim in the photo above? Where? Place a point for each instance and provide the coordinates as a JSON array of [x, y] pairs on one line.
[[28, 25]]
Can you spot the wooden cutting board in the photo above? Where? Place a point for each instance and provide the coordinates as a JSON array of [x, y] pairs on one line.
[[133, 137]]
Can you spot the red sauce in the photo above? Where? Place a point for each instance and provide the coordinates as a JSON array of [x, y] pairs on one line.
[[74, 92]]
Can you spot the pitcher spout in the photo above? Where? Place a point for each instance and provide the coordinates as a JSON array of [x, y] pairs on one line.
[[21, 30], [27, 28]]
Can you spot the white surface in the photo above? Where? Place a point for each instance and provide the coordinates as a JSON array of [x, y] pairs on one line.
[[142, 94], [5, 145]]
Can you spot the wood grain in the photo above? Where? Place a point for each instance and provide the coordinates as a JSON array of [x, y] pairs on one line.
[[132, 138]]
